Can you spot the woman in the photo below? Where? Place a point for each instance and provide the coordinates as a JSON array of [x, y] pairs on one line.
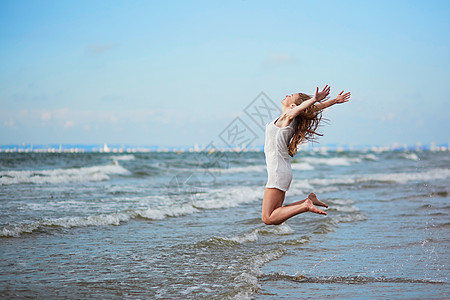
[[298, 123]]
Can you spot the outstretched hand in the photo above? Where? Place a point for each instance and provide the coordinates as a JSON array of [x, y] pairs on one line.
[[323, 94], [342, 98]]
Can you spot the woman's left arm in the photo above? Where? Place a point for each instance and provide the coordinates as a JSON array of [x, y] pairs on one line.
[[341, 98]]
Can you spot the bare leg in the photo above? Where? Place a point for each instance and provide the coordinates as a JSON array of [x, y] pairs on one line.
[[273, 213], [314, 200]]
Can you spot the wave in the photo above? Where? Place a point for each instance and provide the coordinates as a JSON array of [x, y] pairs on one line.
[[247, 237], [341, 201], [300, 187], [95, 220], [247, 283], [254, 235], [370, 157], [303, 188], [229, 197], [337, 161], [257, 168], [302, 166], [95, 173], [347, 208], [332, 161], [164, 212], [357, 217], [358, 279], [123, 157], [65, 222], [246, 169], [434, 174], [222, 198], [411, 156]]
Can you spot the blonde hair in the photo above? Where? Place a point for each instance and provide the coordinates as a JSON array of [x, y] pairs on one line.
[[307, 123]]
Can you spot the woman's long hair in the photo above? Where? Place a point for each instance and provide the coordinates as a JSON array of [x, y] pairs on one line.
[[307, 123]]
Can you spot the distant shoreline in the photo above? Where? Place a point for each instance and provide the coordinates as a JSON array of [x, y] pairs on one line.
[[120, 148]]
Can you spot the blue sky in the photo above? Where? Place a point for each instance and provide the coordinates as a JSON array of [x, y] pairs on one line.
[[177, 73]]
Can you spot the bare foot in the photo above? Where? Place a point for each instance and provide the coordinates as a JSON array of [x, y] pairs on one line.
[[309, 206], [316, 201]]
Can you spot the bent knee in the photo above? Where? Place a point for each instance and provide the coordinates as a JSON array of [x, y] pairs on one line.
[[266, 220]]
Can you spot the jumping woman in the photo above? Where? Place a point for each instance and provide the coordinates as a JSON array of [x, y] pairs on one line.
[[297, 124]]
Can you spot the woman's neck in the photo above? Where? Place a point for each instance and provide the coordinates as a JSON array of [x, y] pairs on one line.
[[285, 109]]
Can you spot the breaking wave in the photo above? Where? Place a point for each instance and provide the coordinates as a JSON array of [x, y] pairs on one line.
[[55, 176], [217, 199], [402, 178]]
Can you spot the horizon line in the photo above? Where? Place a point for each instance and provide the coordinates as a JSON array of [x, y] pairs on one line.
[[135, 148]]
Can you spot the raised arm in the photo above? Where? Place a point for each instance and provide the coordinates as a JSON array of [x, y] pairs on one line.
[[292, 113], [341, 98]]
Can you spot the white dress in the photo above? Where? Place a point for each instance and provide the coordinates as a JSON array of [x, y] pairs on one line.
[[276, 150]]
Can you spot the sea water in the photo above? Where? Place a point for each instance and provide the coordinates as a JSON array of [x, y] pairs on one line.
[[187, 226]]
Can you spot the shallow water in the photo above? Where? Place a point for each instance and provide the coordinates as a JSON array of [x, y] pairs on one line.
[[168, 225]]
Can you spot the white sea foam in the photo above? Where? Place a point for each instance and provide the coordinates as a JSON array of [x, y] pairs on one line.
[[302, 166], [246, 169], [163, 212], [299, 187], [350, 218], [401, 178], [248, 280], [97, 220], [66, 222], [332, 161], [220, 198], [302, 187], [247, 237], [258, 168], [212, 199], [17, 230], [229, 197], [327, 189], [253, 235], [259, 260], [433, 174], [95, 173], [370, 157], [282, 229], [411, 156], [349, 208], [123, 157], [332, 181], [341, 201]]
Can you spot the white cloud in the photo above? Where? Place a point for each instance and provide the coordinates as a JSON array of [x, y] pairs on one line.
[[113, 118], [46, 115], [68, 124], [100, 48], [60, 113], [386, 117], [23, 113], [278, 59], [9, 123], [420, 123]]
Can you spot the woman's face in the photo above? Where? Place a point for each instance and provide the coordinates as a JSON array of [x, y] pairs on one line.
[[291, 99]]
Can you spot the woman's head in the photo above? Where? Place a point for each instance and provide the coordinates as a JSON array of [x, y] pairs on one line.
[[290, 101], [307, 121]]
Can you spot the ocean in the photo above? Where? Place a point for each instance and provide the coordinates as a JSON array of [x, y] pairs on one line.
[[188, 226]]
